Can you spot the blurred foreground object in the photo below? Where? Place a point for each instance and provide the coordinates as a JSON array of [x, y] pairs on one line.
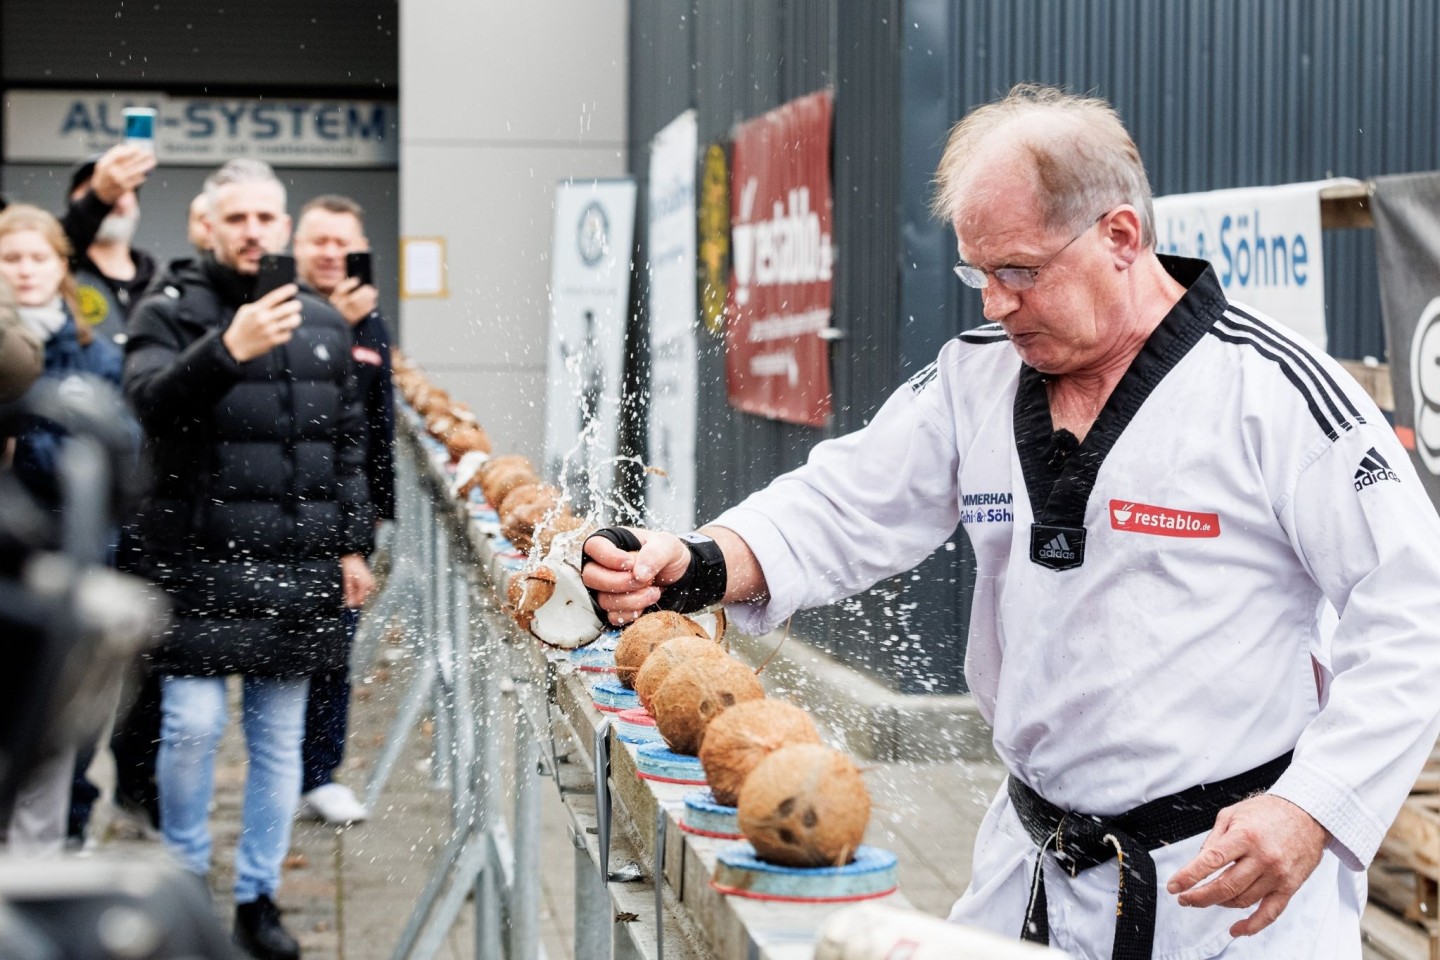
[[871, 931]]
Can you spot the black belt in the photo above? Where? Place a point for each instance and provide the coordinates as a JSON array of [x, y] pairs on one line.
[[1081, 841]]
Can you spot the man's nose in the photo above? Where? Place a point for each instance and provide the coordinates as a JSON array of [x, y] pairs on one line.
[[998, 301]]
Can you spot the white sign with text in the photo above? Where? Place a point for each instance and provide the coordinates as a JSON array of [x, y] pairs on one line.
[[50, 126]]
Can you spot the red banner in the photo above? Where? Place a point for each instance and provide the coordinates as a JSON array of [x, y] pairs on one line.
[[777, 364]]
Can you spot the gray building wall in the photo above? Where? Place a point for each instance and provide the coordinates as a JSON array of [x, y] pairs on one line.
[[1218, 93], [500, 102]]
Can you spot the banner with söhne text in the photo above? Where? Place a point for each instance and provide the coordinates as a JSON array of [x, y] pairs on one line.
[[1265, 245], [778, 310]]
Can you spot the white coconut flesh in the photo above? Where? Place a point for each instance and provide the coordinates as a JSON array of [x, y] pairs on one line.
[[567, 620], [712, 622]]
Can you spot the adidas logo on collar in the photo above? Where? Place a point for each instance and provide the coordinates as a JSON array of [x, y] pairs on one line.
[[1372, 470], [1057, 549]]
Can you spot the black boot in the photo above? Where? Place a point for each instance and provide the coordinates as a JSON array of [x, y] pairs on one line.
[[258, 931]]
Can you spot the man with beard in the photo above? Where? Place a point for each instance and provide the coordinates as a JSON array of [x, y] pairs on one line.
[[110, 274], [256, 525]]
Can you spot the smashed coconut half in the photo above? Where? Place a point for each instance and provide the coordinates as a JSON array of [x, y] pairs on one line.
[[550, 600]]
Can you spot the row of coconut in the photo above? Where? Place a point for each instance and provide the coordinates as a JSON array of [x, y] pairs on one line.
[[799, 802]]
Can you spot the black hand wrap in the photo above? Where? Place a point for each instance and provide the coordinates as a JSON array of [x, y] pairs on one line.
[[702, 584]]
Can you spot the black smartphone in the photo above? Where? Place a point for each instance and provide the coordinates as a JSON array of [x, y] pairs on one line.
[[276, 270], [358, 265]]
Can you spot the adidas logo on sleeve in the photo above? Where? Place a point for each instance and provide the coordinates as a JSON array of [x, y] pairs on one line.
[[1373, 469]]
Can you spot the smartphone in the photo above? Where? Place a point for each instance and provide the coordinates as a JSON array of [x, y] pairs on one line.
[[276, 270], [358, 265], [140, 126]]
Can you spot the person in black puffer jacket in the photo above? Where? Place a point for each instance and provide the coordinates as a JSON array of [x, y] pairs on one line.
[[256, 525]]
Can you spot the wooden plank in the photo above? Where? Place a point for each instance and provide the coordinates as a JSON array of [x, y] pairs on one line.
[[1392, 937], [1346, 207]]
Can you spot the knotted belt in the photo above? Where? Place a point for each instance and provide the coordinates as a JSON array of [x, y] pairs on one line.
[[1080, 841]]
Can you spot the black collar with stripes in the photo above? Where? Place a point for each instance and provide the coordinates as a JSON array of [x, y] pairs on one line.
[[1059, 481]]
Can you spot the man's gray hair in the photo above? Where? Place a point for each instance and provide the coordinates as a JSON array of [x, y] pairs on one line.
[[1084, 162], [241, 170]]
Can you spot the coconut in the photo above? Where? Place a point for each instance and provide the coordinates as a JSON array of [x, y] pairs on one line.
[[519, 525], [465, 439], [667, 657], [550, 600], [528, 591], [744, 735], [805, 805], [696, 693], [644, 635], [439, 424], [553, 525], [527, 495], [503, 474]]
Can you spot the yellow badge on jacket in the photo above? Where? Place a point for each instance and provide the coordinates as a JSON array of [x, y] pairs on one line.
[[94, 305]]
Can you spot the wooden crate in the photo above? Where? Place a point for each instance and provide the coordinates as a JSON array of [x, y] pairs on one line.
[[1405, 877]]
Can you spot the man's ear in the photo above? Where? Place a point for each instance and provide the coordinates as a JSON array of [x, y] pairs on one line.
[[1123, 234]]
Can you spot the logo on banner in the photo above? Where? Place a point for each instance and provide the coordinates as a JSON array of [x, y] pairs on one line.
[[592, 235], [714, 237], [1130, 517], [1425, 385]]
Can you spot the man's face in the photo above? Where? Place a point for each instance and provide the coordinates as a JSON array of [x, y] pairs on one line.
[[322, 240], [247, 221], [197, 228], [1061, 324]]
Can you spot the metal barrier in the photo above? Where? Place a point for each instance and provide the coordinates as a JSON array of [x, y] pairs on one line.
[[507, 711]]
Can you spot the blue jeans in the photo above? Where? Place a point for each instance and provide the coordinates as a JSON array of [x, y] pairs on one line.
[[192, 720]]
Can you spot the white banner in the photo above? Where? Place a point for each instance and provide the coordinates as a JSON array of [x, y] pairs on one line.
[[589, 301], [1264, 242], [670, 488], [48, 126]]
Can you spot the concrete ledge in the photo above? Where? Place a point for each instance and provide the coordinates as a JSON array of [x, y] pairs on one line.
[[874, 722]]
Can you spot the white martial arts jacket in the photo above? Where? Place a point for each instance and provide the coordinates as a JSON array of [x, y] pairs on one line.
[[1234, 481]]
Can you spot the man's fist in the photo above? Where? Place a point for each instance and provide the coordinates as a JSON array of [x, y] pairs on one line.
[[119, 170], [262, 326], [354, 300]]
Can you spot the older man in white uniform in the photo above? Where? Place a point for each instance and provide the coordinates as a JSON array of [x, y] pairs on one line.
[[1161, 488]]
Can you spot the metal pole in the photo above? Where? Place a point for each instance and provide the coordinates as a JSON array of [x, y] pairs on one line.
[[442, 649], [489, 720], [462, 696], [593, 920], [525, 897]]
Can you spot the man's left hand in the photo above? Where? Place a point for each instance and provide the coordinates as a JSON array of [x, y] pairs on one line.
[[1267, 848], [358, 580], [354, 300]]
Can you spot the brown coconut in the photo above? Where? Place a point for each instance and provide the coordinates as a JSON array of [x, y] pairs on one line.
[[742, 736], [667, 657], [528, 591], [518, 526], [644, 635], [439, 424], [553, 525], [464, 439], [526, 495], [805, 805], [500, 475], [696, 693]]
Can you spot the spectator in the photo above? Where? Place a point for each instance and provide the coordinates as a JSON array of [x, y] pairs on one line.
[[330, 227], [197, 228], [34, 257], [110, 274], [110, 277], [259, 553]]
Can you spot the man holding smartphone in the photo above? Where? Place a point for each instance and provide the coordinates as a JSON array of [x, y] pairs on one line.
[[332, 256], [256, 527]]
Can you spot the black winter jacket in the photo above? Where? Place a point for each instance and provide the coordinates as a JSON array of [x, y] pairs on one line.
[[257, 482]]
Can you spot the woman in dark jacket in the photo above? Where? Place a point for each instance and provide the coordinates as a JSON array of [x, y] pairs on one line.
[[34, 263]]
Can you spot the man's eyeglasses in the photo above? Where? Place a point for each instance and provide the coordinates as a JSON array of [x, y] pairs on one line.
[[1014, 279]]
